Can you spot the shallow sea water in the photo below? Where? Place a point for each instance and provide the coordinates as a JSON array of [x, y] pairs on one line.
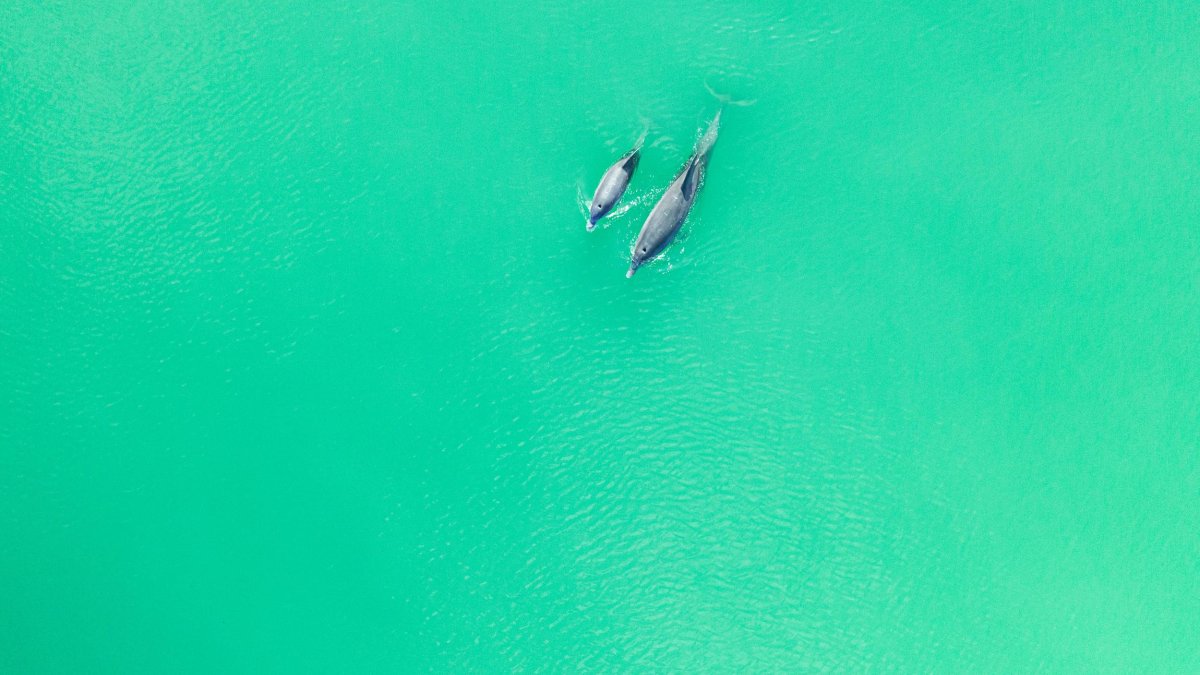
[[307, 362]]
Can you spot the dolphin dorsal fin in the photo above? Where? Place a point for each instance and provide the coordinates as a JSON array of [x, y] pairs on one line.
[[689, 181], [631, 160]]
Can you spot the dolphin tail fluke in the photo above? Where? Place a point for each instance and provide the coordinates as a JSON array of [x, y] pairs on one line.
[[726, 99]]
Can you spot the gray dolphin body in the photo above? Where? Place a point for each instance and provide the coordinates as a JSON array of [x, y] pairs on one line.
[[613, 185], [672, 209]]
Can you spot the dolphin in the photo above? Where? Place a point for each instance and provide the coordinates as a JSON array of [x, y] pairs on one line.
[[613, 184], [672, 209]]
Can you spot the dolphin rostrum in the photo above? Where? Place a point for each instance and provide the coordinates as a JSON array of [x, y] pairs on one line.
[[613, 184], [672, 209]]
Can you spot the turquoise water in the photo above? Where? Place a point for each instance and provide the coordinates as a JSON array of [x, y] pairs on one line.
[[308, 364]]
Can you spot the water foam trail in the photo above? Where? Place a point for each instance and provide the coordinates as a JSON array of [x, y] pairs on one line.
[[628, 204], [645, 131], [581, 201]]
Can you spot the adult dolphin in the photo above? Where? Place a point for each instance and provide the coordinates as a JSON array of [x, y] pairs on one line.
[[672, 209], [613, 184]]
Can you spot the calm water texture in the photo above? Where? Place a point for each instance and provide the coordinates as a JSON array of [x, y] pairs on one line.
[[308, 364]]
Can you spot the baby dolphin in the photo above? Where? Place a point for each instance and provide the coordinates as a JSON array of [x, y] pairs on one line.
[[672, 209], [613, 184]]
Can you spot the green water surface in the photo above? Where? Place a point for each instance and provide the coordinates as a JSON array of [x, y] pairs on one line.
[[307, 363]]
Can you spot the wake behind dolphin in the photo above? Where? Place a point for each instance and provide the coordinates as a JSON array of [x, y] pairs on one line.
[[672, 209]]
